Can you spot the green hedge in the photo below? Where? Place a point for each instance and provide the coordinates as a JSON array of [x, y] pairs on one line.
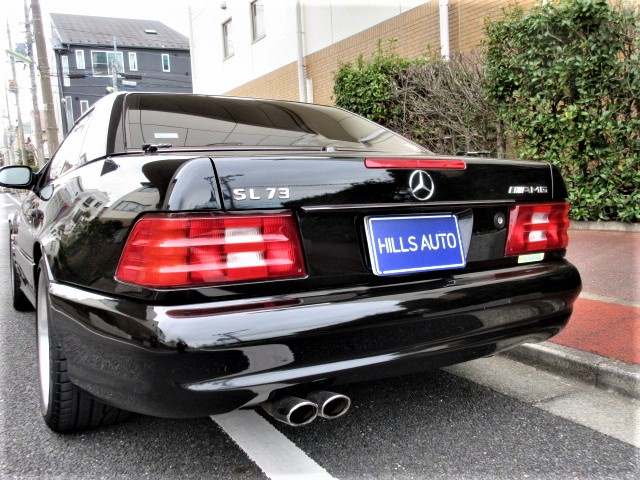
[[566, 79], [367, 86], [439, 104], [562, 79]]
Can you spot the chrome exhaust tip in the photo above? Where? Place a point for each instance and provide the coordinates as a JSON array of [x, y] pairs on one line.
[[293, 411], [330, 405]]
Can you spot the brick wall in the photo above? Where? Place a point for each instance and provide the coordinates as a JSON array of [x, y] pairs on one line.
[[415, 33], [467, 19], [281, 83]]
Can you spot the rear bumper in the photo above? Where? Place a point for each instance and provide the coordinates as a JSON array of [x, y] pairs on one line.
[[206, 359]]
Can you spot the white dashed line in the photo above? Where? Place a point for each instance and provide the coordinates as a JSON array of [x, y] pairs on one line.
[[12, 199], [275, 454]]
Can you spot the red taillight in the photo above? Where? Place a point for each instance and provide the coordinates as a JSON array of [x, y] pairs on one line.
[[197, 250], [536, 228], [414, 163]]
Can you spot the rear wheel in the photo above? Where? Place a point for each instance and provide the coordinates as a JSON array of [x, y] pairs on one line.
[[65, 407], [20, 301]]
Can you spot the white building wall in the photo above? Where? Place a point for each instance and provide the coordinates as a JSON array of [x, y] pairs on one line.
[[215, 74], [330, 21], [325, 22]]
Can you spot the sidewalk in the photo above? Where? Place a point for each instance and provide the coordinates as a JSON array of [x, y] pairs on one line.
[[601, 344]]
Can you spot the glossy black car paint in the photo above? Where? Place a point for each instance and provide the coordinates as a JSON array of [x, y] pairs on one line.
[[186, 352]]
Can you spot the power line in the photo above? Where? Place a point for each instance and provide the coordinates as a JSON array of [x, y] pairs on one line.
[[155, 77], [130, 76], [121, 49], [84, 94], [69, 93], [163, 85]]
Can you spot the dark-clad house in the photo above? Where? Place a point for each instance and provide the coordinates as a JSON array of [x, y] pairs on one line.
[[98, 55]]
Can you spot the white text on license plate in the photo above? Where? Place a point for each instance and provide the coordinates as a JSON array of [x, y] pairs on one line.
[[414, 243]]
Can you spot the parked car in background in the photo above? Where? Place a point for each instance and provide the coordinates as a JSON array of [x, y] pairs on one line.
[[191, 255]]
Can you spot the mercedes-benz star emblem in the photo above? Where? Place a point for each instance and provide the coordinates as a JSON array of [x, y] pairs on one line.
[[421, 185]]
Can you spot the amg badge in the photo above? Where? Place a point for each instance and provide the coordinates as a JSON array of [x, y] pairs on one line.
[[529, 189]]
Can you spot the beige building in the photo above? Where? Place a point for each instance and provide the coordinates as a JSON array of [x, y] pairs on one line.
[[264, 48]]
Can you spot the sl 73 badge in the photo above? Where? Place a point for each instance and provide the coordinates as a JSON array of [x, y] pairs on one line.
[[268, 193]]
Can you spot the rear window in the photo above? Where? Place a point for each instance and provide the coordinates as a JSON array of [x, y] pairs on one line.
[[201, 121]]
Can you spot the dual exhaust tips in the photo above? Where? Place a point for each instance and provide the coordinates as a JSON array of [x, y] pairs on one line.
[[296, 411]]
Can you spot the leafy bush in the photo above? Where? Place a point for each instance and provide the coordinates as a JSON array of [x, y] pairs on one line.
[[562, 80], [439, 104], [444, 107], [566, 80], [367, 86]]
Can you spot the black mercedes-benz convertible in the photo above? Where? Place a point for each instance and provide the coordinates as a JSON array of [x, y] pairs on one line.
[[191, 255]]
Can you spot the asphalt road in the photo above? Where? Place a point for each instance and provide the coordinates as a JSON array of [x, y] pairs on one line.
[[434, 425]]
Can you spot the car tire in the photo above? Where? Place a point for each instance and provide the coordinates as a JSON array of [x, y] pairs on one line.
[[20, 301], [65, 407]]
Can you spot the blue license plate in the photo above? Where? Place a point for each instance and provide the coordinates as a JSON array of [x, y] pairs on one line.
[[414, 243]]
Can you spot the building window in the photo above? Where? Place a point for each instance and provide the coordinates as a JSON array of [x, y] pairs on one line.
[[227, 41], [65, 71], [84, 106], [133, 61], [102, 62], [80, 59], [257, 19], [166, 67], [127, 206]]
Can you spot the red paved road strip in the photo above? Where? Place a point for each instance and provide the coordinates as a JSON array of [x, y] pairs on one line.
[[609, 262], [606, 329]]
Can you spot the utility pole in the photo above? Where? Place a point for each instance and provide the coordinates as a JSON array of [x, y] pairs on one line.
[[23, 152], [8, 139], [45, 78], [37, 125], [302, 80]]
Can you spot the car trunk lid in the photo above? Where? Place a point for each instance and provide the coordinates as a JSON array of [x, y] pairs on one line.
[[312, 181]]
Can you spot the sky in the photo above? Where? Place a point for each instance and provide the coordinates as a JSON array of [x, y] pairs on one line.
[[174, 14], [171, 13]]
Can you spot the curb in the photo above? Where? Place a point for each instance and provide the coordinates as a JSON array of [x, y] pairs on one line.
[[605, 226], [601, 372]]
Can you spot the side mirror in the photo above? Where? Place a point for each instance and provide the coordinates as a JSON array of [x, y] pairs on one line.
[[16, 176]]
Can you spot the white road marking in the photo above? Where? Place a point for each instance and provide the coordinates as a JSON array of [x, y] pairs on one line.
[[275, 454], [600, 410], [12, 199]]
